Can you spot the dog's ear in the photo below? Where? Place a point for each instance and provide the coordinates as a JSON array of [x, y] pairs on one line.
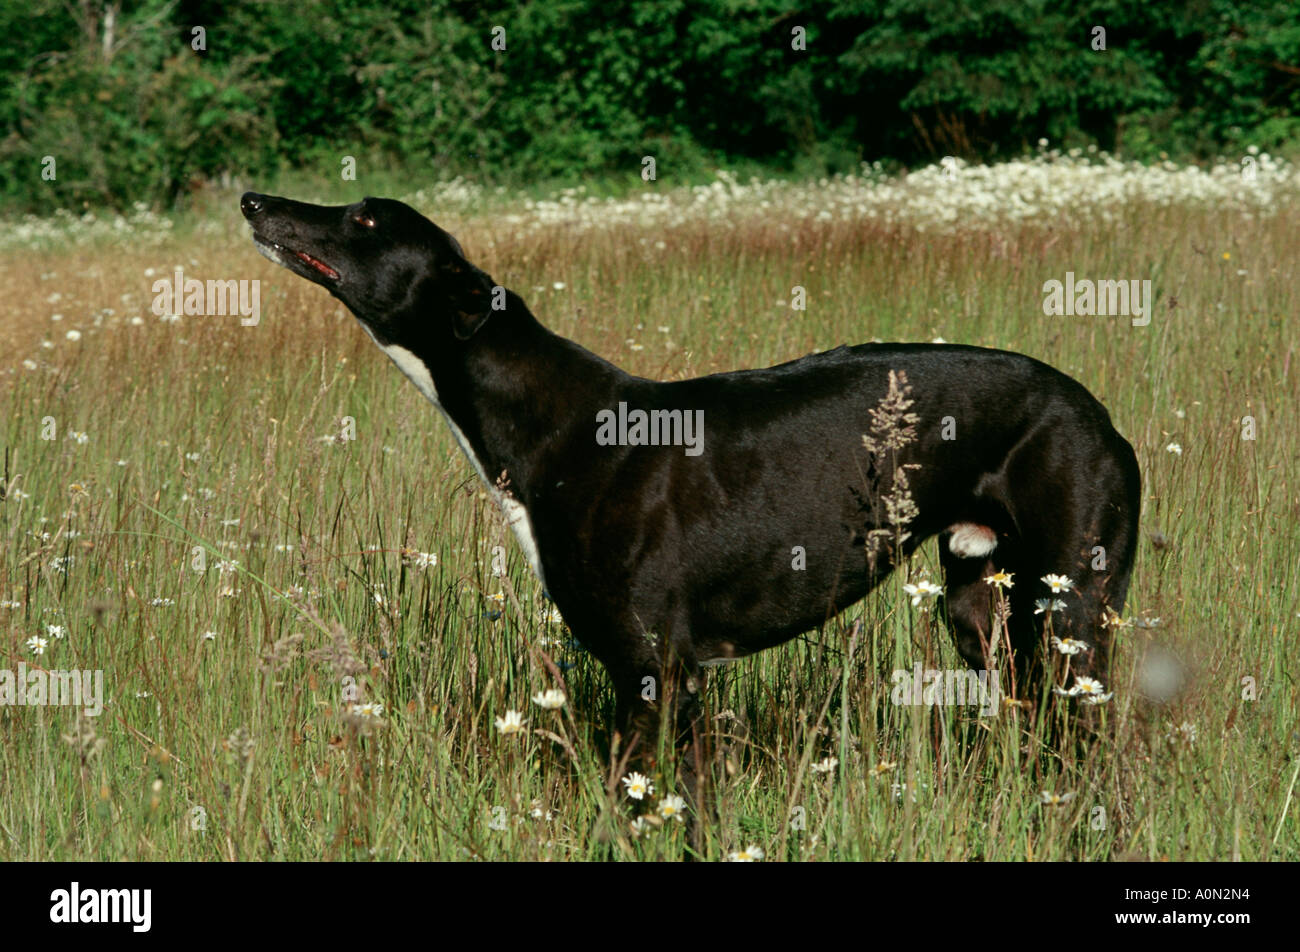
[[470, 299]]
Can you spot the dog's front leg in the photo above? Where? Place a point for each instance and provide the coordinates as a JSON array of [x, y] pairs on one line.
[[692, 752], [660, 720]]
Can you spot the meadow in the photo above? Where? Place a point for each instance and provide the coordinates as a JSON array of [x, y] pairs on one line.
[[272, 548]]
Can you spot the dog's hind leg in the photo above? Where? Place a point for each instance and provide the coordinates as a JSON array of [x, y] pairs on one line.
[[1099, 562], [1081, 523], [970, 553], [967, 601]]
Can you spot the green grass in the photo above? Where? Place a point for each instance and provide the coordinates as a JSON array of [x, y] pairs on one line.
[[251, 726]]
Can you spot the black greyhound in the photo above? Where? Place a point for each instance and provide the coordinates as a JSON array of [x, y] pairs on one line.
[[678, 524]]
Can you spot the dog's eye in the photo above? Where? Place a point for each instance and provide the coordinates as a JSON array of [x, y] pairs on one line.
[[366, 219]]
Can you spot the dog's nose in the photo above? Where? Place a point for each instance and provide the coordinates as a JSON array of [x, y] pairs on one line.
[[252, 204]]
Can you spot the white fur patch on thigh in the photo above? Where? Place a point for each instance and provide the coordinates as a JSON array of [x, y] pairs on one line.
[[970, 540]]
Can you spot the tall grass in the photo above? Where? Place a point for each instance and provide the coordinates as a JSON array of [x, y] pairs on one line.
[[197, 463]]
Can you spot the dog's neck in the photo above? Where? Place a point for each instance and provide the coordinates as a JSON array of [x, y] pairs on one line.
[[515, 394]]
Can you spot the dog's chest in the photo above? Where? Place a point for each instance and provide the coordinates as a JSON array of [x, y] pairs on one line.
[[515, 512]]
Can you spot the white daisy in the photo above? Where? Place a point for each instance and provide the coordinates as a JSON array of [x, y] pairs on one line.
[[512, 723], [550, 699], [638, 786], [673, 807], [921, 591], [1069, 646]]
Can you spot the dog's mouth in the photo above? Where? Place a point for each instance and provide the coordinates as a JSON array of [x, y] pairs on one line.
[[283, 256]]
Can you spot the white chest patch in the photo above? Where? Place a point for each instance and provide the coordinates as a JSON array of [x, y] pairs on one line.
[[515, 512]]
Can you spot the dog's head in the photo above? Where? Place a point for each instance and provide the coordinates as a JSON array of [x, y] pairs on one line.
[[398, 272]]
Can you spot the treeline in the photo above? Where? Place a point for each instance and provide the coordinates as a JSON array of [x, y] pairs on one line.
[[107, 103]]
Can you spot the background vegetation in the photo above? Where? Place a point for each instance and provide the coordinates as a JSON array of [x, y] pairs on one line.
[[132, 112]]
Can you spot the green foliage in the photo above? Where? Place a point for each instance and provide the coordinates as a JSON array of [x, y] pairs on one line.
[[132, 112], [121, 128]]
